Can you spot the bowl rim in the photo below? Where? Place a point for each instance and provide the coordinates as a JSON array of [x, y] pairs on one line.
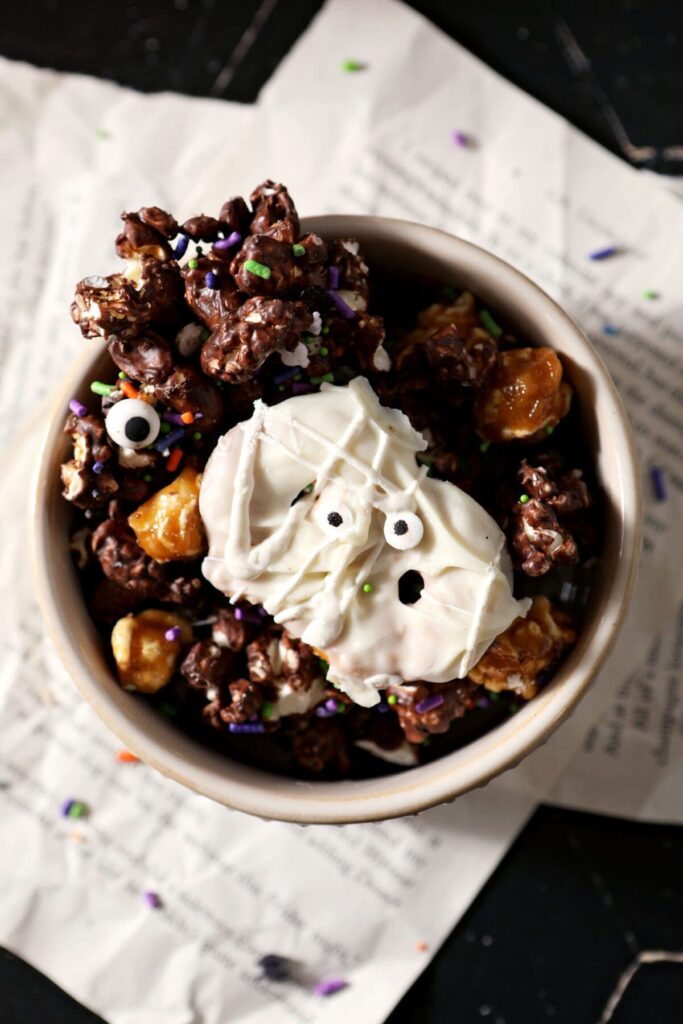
[[267, 795]]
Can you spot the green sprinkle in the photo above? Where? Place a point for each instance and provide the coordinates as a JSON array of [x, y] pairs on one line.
[[314, 380], [308, 488], [170, 710], [494, 329], [78, 809], [523, 498], [367, 588], [325, 330], [308, 340], [122, 375], [205, 335], [297, 376], [100, 133], [267, 709], [165, 428], [324, 665], [328, 378], [549, 430], [101, 389], [197, 436], [649, 294], [193, 263], [484, 447], [260, 269], [281, 387], [492, 695], [352, 65], [147, 477], [449, 292], [392, 699], [298, 249], [324, 351], [341, 707]]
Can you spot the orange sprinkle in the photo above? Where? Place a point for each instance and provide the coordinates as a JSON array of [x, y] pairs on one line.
[[187, 417], [129, 390], [174, 460], [126, 757], [422, 947]]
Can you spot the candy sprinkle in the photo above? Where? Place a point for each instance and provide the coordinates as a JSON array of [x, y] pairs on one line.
[[152, 899], [274, 967], [97, 466], [129, 390], [649, 294], [421, 947], [233, 238], [610, 329], [367, 588], [172, 634], [77, 408], [74, 809], [246, 727], [342, 307], [187, 417], [494, 329], [484, 447], [523, 498], [429, 703], [298, 249], [392, 699], [197, 435], [461, 139], [352, 65], [193, 263], [173, 460], [658, 483], [211, 279], [603, 254], [126, 757], [168, 439], [267, 709], [260, 269], [181, 246], [98, 388], [333, 277], [329, 987]]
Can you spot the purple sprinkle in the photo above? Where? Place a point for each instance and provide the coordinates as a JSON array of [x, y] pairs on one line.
[[323, 712], [429, 703], [233, 238], [211, 279], [262, 611], [244, 615], [334, 277], [97, 466], [239, 614], [181, 246], [483, 703], [329, 987], [66, 807], [610, 329], [173, 417], [169, 439], [658, 483], [342, 306], [280, 378], [603, 254], [77, 408], [302, 389], [246, 727], [151, 899], [173, 633], [460, 138]]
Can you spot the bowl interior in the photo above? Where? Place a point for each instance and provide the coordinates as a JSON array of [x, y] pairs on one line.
[[400, 247]]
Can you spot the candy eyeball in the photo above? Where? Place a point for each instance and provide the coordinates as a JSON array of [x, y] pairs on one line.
[[403, 530], [133, 423], [334, 518]]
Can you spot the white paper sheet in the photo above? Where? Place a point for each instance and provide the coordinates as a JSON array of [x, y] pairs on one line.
[[75, 152]]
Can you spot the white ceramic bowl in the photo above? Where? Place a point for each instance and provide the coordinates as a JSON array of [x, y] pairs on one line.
[[405, 247]]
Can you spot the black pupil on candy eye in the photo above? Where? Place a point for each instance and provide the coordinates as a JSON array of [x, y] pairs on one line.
[[400, 527], [334, 519], [136, 428]]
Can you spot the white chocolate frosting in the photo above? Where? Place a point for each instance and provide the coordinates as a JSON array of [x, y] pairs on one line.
[[306, 553]]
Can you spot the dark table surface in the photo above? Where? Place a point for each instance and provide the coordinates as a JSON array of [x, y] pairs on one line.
[[582, 923]]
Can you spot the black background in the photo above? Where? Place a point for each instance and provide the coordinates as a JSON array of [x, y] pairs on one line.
[[579, 897]]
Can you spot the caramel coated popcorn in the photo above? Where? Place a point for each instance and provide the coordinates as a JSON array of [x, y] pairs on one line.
[[519, 657]]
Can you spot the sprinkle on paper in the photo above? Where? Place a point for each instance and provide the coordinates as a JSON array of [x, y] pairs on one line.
[[658, 482], [603, 254]]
